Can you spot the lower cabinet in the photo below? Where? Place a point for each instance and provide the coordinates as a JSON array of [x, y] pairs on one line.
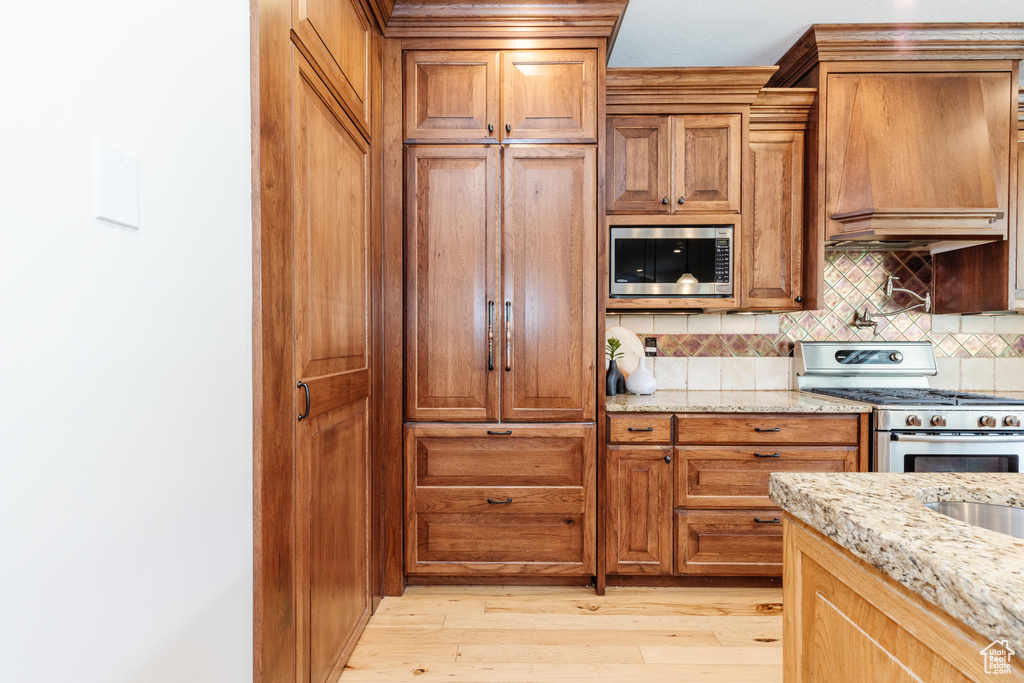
[[729, 542], [639, 506], [499, 499]]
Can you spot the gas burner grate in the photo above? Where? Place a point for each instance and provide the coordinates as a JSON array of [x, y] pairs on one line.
[[918, 397]]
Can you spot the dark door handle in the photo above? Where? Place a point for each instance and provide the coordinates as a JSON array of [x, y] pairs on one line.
[[305, 413], [497, 433], [499, 502], [668, 458], [508, 127], [490, 127], [773, 520], [664, 200], [768, 455], [490, 335], [799, 299], [641, 429], [767, 429], [508, 336], [682, 199]]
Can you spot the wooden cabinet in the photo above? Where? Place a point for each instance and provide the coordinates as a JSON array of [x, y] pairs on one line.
[[674, 164], [766, 429], [639, 510], [494, 499], [729, 542], [640, 429], [543, 96]]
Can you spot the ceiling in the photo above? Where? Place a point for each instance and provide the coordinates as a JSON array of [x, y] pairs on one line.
[[758, 32]]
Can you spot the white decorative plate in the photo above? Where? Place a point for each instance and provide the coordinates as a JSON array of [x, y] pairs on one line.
[[632, 348]]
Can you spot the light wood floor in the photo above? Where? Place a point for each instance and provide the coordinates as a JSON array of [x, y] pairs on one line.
[[496, 634]]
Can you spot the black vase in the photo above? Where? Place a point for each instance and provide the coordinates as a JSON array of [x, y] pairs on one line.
[[615, 383]]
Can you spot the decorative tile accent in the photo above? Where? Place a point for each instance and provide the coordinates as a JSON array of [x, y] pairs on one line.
[[855, 280]]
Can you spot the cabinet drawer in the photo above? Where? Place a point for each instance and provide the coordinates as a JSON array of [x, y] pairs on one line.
[[499, 455], [766, 429], [729, 542], [652, 428], [737, 476], [486, 499], [498, 543]]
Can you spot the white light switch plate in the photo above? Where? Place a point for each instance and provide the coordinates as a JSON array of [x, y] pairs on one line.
[[117, 185]]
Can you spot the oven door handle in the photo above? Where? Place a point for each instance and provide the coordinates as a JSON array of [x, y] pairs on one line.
[[980, 438]]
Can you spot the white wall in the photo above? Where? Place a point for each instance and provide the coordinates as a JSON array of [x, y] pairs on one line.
[[125, 357]]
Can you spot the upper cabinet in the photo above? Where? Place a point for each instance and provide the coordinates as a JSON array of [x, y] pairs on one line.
[[508, 96], [674, 164]]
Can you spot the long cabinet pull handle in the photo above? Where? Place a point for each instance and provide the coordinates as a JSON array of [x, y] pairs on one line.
[[499, 502], [640, 429], [768, 455], [508, 336], [774, 520], [305, 413], [493, 432], [490, 335], [767, 429]]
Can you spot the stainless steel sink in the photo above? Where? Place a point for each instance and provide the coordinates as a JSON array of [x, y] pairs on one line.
[[1001, 518]]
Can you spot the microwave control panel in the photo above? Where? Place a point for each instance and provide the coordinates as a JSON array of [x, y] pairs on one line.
[[722, 260]]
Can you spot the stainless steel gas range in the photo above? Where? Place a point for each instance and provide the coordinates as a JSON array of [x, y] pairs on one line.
[[914, 428]]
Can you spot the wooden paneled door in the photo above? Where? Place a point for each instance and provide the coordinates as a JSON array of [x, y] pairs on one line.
[[707, 159], [771, 262], [549, 271], [451, 96], [638, 163], [452, 317], [331, 242], [638, 510], [549, 95]]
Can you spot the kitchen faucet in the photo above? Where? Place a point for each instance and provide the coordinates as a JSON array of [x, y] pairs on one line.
[[867, 319]]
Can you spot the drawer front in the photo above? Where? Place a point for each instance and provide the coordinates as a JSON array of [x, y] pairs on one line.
[[766, 429], [507, 456], [496, 500], [499, 543], [729, 542], [653, 428], [737, 476]]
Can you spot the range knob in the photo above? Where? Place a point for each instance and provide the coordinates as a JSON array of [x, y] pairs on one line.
[[896, 356], [987, 421], [938, 421], [1011, 421], [913, 420]]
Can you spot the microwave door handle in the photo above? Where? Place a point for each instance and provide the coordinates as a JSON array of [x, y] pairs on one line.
[[980, 438]]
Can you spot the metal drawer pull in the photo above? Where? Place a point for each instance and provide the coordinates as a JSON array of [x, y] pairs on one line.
[[305, 413], [508, 336], [773, 520], [767, 429], [767, 455], [499, 502], [490, 335], [641, 429], [493, 432]]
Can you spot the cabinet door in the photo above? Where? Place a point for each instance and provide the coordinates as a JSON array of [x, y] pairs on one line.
[[774, 233], [548, 271], [706, 163], [638, 164], [336, 35], [451, 96], [549, 95], [729, 542], [452, 315], [639, 509]]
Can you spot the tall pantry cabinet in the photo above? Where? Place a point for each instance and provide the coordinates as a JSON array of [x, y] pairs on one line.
[[500, 311]]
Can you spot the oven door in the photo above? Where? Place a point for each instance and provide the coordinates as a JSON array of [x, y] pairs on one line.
[[949, 452]]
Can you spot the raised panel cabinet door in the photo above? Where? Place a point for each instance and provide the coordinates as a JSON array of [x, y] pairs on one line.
[[706, 163], [772, 252], [332, 363], [639, 510], [549, 95], [335, 35], [548, 271], [452, 311], [638, 164], [451, 96]]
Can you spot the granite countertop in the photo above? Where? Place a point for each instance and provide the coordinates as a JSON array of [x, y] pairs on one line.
[[662, 401], [973, 574]]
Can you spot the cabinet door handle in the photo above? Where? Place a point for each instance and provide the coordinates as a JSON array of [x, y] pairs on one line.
[[305, 413], [682, 199], [490, 335], [668, 458], [799, 299], [664, 200], [773, 520], [640, 429], [494, 432], [767, 429], [508, 336], [508, 127], [768, 455], [490, 127], [499, 502]]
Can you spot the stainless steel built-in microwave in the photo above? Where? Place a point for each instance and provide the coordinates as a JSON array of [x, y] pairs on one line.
[[671, 261]]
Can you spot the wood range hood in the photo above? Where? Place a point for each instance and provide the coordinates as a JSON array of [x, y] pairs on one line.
[[916, 160]]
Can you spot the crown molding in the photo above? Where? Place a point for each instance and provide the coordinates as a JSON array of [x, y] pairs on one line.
[[686, 85]]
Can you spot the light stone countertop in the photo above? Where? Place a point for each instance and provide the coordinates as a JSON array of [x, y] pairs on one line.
[[662, 401], [973, 574]]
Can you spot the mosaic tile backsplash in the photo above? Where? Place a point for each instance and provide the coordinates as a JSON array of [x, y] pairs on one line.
[[854, 281]]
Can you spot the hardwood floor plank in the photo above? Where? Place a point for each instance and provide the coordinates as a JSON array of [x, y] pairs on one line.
[[692, 603], [750, 656], [576, 621], [559, 654], [570, 673], [422, 605], [398, 637]]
